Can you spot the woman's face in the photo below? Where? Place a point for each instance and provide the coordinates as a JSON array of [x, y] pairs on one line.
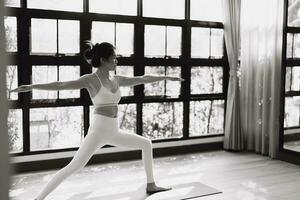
[[112, 62]]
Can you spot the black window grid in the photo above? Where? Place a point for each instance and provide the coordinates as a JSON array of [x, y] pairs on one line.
[[25, 61]]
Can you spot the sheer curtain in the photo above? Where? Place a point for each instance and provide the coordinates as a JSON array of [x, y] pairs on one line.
[[233, 139], [261, 49]]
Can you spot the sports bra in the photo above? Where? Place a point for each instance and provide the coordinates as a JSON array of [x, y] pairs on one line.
[[105, 97]]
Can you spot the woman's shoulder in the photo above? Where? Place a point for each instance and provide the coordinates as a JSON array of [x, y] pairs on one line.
[[90, 76], [86, 75], [90, 83], [88, 79]]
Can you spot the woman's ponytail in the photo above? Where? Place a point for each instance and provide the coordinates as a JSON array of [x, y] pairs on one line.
[[88, 54], [93, 53]]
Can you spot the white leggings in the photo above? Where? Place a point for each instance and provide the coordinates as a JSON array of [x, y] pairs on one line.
[[103, 130]]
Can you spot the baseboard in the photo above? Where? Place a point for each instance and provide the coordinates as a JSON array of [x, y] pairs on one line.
[[290, 156]]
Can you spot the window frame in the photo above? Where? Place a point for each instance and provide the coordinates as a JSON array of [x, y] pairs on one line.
[[24, 60], [286, 62]]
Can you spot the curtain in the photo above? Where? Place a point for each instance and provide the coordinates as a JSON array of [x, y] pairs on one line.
[[233, 138], [261, 49]]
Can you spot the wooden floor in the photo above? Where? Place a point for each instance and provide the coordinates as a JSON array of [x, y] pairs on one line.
[[240, 176]]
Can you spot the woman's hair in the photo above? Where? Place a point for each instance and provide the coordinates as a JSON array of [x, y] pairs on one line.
[[93, 54]]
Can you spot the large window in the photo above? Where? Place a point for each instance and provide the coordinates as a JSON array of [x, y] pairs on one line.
[[291, 106], [182, 38]]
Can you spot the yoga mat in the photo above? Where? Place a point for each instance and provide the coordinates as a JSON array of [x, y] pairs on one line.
[[179, 192], [185, 191]]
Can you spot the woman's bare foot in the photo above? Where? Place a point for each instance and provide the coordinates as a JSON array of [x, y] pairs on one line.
[[153, 188]]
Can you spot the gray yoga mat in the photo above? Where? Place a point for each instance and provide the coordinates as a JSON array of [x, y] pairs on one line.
[[178, 192], [185, 191]]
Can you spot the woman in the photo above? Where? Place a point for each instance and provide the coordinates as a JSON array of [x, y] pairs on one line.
[[105, 94]]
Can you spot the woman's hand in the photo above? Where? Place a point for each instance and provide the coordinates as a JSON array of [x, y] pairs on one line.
[[22, 88], [171, 78]]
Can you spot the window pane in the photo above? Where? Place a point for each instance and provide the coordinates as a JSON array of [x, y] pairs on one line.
[[103, 32], [173, 41], [295, 78], [288, 79], [293, 13], [11, 81], [296, 46], [289, 45], [200, 42], [15, 130], [154, 41], [164, 9], [206, 117], [56, 128], [124, 39], [68, 73], [127, 117], [206, 80], [206, 10], [64, 5], [173, 87], [291, 111], [12, 3], [68, 33], [120, 7], [156, 88], [163, 120], [216, 43], [44, 74], [160, 88], [125, 71], [10, 24], [43, 36]]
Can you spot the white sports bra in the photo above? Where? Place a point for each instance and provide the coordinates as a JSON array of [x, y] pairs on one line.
[[105, 97]]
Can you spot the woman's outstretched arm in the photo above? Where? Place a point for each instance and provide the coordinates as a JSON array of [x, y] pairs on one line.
[[57, 85], [152, 78], [137, 80]]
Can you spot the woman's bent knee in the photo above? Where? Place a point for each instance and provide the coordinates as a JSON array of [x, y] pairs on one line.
[[148, 143]]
